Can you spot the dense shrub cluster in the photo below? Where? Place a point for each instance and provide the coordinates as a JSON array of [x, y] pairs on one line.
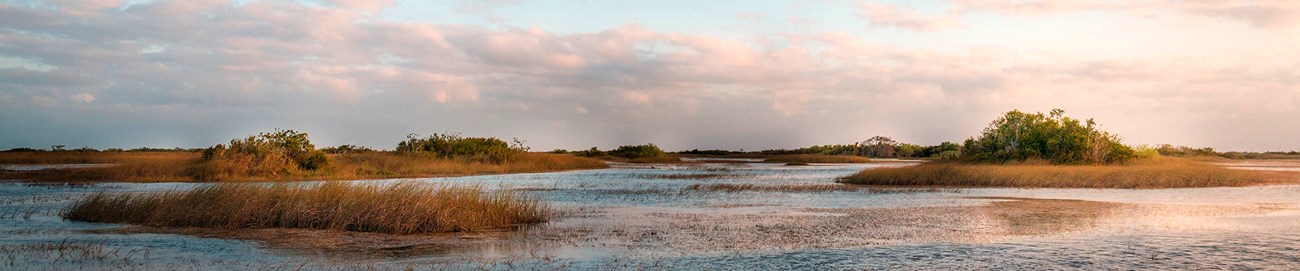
[[710, 152], [628, 151], [267, 154], [637, 151], [878, 147], [1182, 151], [1019, 136], [453, 146], [347, 149]]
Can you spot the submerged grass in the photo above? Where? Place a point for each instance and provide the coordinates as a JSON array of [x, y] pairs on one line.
[[807, 188], [403, 208], [1160, 173], [188, 167], [816, 158]]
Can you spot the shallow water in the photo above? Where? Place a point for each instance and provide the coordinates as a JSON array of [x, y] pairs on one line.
[[648, 216]]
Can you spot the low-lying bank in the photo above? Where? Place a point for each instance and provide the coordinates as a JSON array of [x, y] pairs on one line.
[[401, 209], [1159, 173], [817, 158], [188, 167]]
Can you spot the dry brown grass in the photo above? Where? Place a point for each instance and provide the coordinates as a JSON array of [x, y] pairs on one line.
[[401, 208], [817, 158], [387, 165], [1159, 173], [188, 167]]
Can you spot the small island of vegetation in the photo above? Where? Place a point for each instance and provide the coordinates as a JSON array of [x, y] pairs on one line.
[[1052, 150], [403, 208]]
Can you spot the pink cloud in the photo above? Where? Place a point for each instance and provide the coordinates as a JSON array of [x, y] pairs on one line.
[[220, 55], [1264, 14], [890, 15]]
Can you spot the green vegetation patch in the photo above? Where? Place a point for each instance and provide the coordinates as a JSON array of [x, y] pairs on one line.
[[453, 146]]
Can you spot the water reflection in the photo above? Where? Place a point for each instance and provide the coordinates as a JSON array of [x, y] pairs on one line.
[[641, 215]]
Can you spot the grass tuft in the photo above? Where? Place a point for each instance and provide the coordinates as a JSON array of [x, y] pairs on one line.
[[403, 208], [1158, 173]]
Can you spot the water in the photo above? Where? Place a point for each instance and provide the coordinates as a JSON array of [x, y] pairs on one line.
[[637, 216]]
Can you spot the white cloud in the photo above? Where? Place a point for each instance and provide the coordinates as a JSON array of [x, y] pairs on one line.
[[85, 98], [337, 67]]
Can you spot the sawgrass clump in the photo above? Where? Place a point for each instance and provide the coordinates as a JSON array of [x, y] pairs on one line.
[[403, 208], [1149, 173]]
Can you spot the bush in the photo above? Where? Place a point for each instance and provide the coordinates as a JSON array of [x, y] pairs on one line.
[[273, 154], [1184, 151], [593, 152], [452, 146], [347, 149], [1018, 136], [637, 151]]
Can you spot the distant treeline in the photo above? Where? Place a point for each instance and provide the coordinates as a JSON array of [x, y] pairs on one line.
[[649, 150], [1015, 136], [878, 147], [62, 148]]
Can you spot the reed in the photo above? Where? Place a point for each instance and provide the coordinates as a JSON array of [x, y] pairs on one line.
[[403, 208], [1153, 173]]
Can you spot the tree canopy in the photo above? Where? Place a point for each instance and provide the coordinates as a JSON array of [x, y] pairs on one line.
[[1019, 136]]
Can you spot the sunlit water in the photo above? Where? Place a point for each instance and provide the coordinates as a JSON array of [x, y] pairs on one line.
[[647, 216]]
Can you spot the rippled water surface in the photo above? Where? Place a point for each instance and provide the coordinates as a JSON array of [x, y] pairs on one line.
[[638, 216]]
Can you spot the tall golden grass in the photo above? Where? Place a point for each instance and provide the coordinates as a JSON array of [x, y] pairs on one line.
[[188, 167], [1155, 173], [403, 208], [817, 158], [368, 165]]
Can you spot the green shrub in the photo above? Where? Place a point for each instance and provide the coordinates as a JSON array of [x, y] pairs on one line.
[[1184, 151], [1018, 136], [637, 151], [347, 149], [593, 152], [275, 153], [452, 146]]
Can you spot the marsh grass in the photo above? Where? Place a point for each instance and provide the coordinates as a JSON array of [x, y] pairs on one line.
[[189, 167], [1156, 173], [389, 165], [404, 208], [798, 159]]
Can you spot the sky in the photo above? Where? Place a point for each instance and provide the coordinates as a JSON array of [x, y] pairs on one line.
[[574, 74]]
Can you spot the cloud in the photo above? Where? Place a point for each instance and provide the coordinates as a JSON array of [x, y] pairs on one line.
[[890, 15], [83, 98], [1262, 14], [229, 69]]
